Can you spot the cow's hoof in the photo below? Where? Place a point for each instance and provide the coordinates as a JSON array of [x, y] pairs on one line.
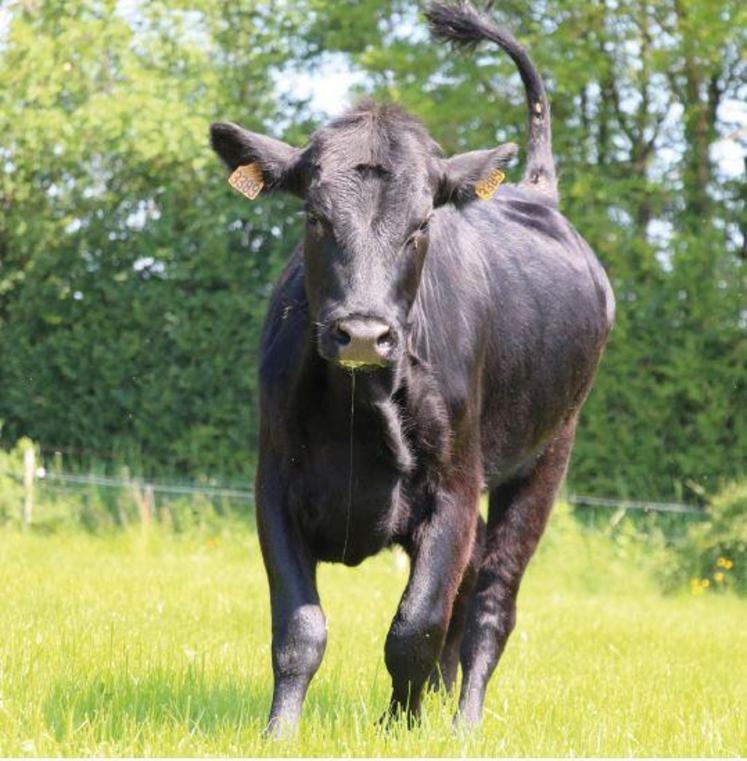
[[440, 684], [465, 723], [277, 729], [395, 713]]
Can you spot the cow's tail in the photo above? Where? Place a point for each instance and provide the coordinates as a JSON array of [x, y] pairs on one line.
[[462, 24]]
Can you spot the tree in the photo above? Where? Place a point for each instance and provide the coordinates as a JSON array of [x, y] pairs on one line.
[[132, 281]]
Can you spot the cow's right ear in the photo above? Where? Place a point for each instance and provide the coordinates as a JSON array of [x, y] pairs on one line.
[[279, 162], [476, 174]]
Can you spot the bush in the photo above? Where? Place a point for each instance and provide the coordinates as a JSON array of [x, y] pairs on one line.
[[702, 553], [717, 548]]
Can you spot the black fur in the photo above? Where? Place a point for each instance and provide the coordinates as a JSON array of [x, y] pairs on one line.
[[496, 315]]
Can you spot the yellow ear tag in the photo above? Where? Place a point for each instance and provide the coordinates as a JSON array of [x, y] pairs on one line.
[[487, 187], [247, 180]]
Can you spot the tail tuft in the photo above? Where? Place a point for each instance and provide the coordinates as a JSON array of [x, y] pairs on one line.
[[458, 23]]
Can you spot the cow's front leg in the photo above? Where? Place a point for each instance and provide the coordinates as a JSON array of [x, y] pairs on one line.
[[299, 632], [439, 553]]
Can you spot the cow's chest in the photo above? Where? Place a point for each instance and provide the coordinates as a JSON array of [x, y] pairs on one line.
[[348, 499]]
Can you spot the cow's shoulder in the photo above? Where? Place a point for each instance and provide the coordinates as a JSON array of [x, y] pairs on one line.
[[281, 346]]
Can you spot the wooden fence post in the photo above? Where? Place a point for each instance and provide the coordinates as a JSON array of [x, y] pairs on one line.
[[146, 506], [29, 471]]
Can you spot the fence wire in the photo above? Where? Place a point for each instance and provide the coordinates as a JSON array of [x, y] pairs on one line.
[[158, 488], [631, 504], [70, 481]]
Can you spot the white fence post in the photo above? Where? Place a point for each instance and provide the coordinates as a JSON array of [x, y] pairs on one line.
[[29, 472]]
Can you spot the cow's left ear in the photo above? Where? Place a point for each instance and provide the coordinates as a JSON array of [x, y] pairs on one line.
[[468, 175], [279, 163]]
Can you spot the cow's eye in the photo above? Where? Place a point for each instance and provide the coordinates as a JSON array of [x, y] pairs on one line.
[[314, 220], [417, 237]]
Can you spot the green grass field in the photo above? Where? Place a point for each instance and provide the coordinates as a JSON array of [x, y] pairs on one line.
[[125, 645]]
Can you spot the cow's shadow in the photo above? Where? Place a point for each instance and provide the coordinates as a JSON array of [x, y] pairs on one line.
[[120, 706]]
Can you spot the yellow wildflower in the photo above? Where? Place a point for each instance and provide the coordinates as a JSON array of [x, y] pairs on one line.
[[724, 563], [719, 576]]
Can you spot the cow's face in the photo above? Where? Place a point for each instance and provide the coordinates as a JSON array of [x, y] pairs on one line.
[[370, 182]]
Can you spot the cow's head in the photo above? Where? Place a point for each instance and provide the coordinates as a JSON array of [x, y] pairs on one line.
[[370, 180]]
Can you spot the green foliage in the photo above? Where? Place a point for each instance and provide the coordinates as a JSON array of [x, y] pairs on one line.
[[102, 509], [716, 550], [133, 282]]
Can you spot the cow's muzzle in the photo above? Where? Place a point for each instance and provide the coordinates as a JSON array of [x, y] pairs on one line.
[[358, 342]]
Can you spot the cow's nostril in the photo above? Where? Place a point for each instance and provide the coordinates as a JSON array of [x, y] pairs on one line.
[[384, 341], [341, 335]]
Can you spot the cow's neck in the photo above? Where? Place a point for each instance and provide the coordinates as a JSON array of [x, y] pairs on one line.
[[373, 393], [404, 402], [375, 399]]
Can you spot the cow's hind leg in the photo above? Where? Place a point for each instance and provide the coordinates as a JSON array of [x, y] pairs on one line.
[[517, 516], [445, 674]]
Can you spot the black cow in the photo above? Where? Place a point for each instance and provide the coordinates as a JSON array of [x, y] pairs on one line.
[[422, 346]]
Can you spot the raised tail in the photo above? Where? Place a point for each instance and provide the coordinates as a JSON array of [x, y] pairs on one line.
[[462, 24]]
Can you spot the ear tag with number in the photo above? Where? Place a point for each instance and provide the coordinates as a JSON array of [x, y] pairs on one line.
[[247, 180], [487, 187]]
